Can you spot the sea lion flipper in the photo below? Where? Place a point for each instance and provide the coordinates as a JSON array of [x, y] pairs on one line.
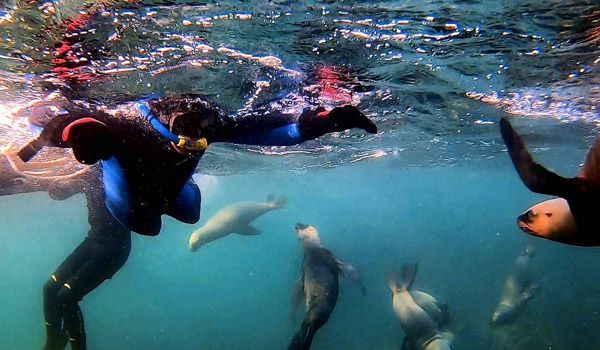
[[529, 292], [444, 316], [247, 230], [297, 295], [591, 167], [536, 177], [407, 344], [351, 272]]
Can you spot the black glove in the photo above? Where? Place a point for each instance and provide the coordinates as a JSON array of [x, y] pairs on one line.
[[45, 139], [314, 123]]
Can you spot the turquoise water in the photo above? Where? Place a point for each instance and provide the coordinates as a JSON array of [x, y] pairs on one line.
[[456, 222], [434, 186]]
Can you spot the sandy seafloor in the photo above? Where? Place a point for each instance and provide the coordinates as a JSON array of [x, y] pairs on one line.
[[457, 222]]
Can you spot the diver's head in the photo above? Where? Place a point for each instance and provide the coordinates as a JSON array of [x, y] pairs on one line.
[[307, 234], [90, 140], [194, 120], [551, 219]]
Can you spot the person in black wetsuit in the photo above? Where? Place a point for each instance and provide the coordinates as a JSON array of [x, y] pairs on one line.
[[147, 152], [103, 252]]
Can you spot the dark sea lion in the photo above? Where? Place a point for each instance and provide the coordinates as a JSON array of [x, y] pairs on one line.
[[572, 218], [318, 284], [421, 330], [518, 288]]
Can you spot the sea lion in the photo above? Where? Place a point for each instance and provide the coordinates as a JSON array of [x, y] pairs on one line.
[[436, 310], [318, 285], [571, 218], [234, 218], [518, 288], [421, 330]]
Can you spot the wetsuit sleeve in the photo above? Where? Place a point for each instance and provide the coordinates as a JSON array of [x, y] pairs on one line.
[[261, 127], [279, 129]]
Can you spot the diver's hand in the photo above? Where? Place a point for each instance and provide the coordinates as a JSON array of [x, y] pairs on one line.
[[44, 139], [314, 123]]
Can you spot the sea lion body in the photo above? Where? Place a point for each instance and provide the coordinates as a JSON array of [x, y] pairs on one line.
[[518, 289], [572, 217], [318, 285], [234, 218], [421, 330]]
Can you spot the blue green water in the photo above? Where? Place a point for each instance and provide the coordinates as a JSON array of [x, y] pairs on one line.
[[456, 222], [434, 186]]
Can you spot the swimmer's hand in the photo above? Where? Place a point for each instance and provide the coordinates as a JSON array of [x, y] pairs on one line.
[[44, 139], [314, 123]]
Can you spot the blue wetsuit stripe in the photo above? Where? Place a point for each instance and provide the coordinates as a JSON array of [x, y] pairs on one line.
[[156, 124], [116, 190], [283, 136]]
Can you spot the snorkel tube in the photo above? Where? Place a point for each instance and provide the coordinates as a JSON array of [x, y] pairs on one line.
[[182, 143]]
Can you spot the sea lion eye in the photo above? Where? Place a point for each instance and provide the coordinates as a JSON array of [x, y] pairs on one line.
[[548, 214]]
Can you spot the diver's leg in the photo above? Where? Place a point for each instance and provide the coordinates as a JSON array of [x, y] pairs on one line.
[[107, 259], [56, 337]]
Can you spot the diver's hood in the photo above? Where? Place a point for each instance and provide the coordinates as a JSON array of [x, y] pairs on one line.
[[191, 117]]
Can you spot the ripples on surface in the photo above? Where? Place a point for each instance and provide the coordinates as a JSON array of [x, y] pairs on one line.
[[421, 68]]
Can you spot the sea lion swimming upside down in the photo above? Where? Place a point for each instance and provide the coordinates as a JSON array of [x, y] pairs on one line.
[[572, 218]]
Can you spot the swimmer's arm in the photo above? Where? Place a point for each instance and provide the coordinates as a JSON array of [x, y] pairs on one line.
[[351, 272], [283, 130]]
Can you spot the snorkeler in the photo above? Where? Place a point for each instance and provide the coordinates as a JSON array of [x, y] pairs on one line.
[[149, 149]]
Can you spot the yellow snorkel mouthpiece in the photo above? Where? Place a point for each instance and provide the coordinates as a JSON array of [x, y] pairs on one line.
[[187, 144]]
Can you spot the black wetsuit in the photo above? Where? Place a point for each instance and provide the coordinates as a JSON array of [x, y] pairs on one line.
[[103, 252]]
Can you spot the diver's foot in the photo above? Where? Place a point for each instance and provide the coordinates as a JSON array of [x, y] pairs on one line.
[[77, 344], [56, 339]]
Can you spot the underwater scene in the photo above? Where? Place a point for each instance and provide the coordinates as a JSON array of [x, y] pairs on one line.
[[299, 175]]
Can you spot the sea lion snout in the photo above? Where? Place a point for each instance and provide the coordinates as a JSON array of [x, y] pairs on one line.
[[526, 217], [307, 234]]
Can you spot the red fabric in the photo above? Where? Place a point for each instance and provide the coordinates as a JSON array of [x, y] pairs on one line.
[[67, 65], [330, 81]]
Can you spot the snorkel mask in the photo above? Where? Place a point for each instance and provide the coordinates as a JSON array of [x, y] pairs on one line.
[[181, 143]]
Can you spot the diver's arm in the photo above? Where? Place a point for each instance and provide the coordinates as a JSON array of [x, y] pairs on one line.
[[284, 131]]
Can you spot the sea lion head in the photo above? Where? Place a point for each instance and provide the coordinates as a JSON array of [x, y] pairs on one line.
[[307, 234], [503, 313], [551, 219]]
